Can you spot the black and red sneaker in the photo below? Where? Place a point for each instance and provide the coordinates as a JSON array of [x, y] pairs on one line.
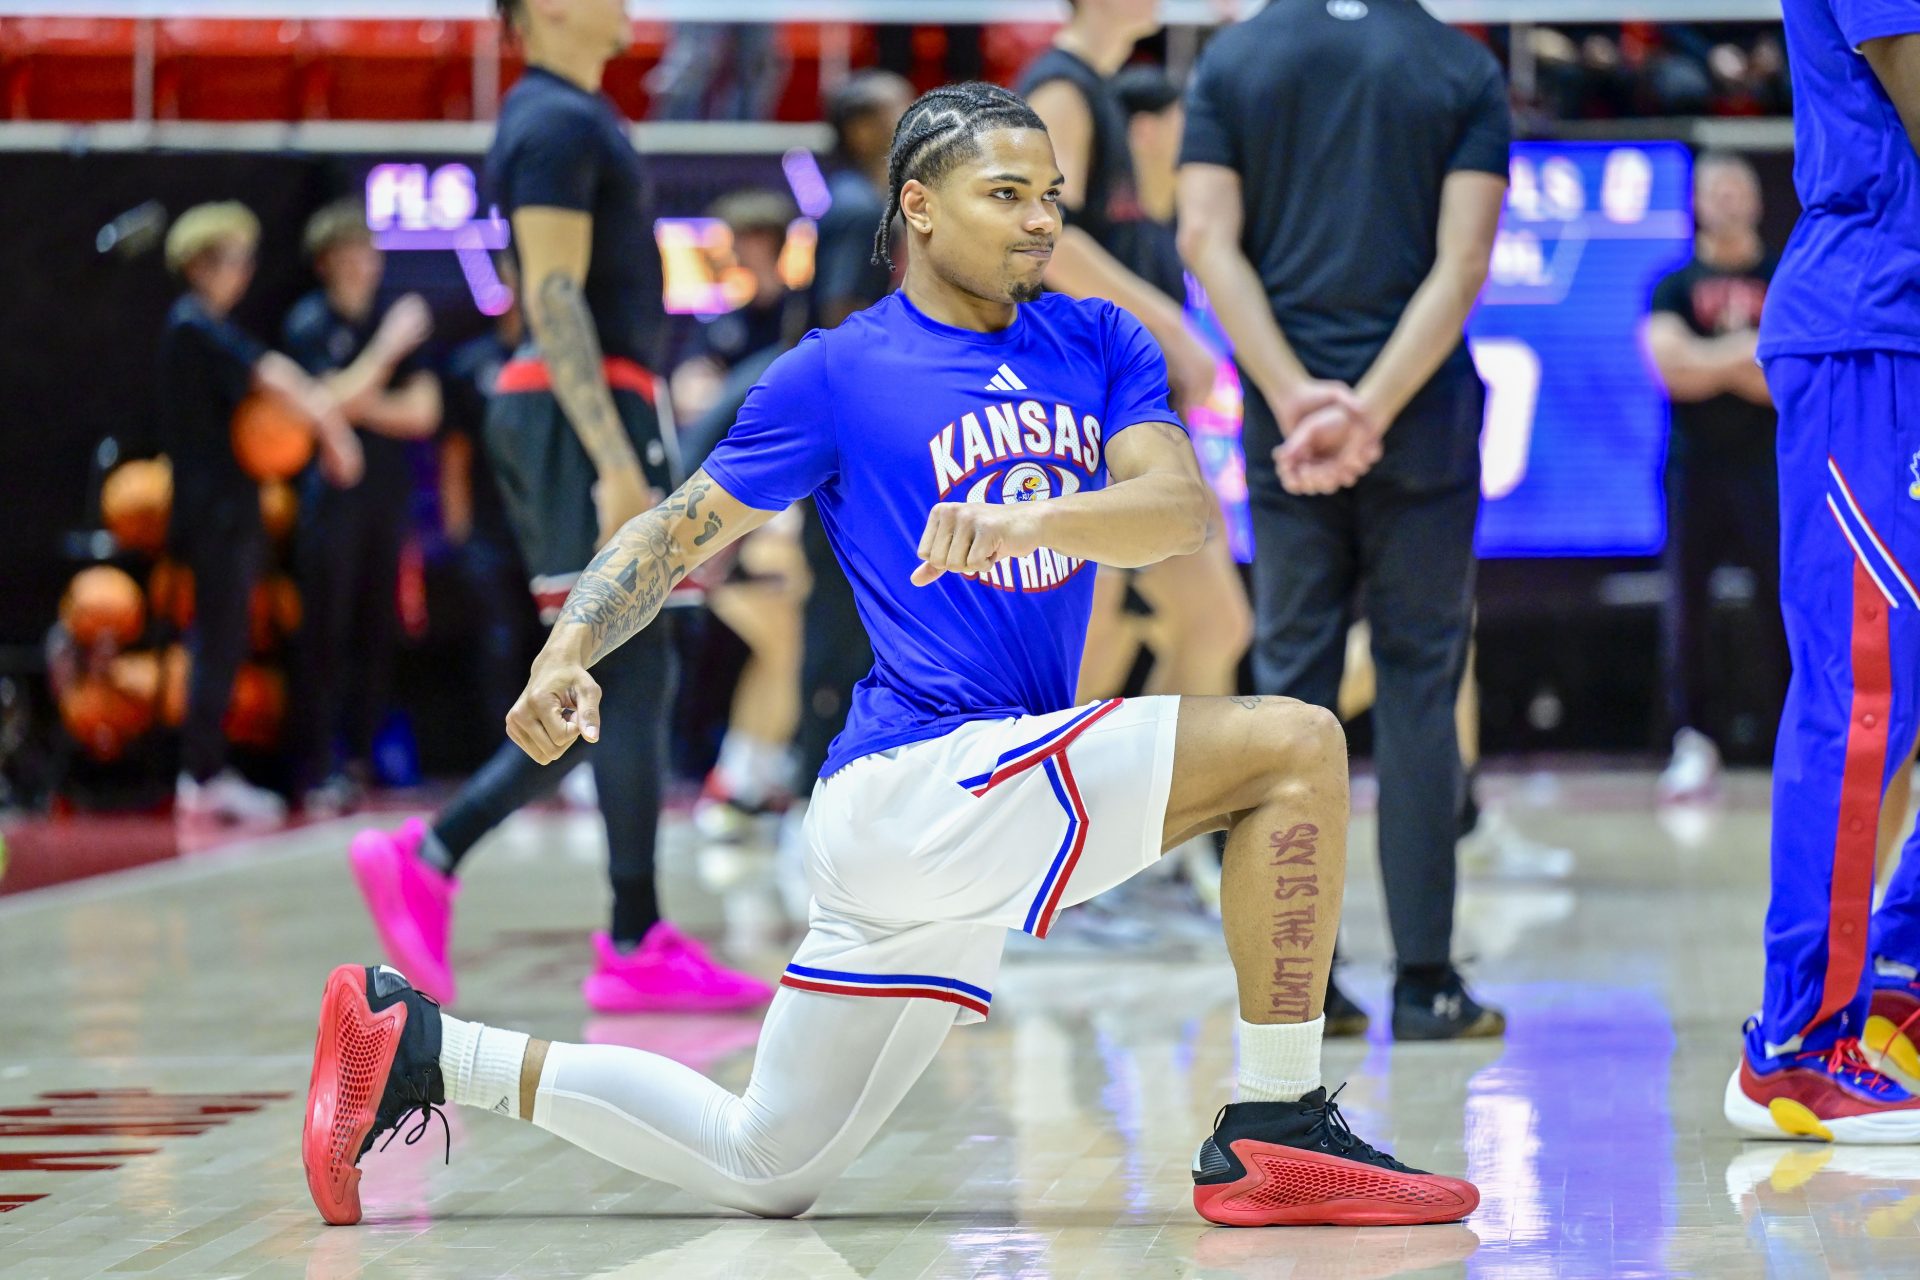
[[376, 1061], [1296, 1164]]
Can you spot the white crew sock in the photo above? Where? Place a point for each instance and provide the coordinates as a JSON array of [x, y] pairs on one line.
[[1279, 1062], [480, 1065]]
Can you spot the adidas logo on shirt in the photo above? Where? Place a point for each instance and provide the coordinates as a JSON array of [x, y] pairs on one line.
[[1004, 379]]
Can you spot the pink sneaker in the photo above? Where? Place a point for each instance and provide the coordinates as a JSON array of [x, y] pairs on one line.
[[411, 904], [667, 973]]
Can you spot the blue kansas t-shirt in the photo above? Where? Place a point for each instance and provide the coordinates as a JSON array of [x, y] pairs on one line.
[[891, 413], [1850, 277]]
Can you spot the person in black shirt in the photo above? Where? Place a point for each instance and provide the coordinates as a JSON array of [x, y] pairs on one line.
[[350, 540], [1103, 250], [577, 446], [1070, 88], [208, 365], [1342, 177], [1721, 480], [1155, 121], [473, 516], [846, 277]]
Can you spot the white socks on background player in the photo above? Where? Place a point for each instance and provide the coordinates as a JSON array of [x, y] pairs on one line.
[[751, 770], [480, 1065], [1279, 1062]]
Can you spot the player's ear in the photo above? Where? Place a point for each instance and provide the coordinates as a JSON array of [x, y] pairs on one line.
[[916, 205]]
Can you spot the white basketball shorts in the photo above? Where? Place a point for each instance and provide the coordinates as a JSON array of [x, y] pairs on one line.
[[922, 857]]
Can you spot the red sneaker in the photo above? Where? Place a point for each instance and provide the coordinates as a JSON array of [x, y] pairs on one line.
[[1296, 1164], [1832, 1095], [1893, 1026], [375, 1062]]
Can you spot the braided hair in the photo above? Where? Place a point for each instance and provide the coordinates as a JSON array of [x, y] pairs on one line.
[[939, 131]]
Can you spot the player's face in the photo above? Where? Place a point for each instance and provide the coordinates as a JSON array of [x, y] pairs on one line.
[[993, 219], [224, 272], [351, 271], [597, 24]]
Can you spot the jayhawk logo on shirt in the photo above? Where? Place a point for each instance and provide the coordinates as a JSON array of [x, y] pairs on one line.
[[1018, 451]]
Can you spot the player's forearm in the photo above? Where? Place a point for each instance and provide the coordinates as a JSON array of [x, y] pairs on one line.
[[563, 330], [410, 413], [1240, 301], [625, 585], [1082, 268], [1428, 331], [282, 378], [361, 382], [1695, 368], [1136, 522]]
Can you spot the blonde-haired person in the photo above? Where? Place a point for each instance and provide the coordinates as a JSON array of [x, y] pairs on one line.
[[350, 540], [208, 364]]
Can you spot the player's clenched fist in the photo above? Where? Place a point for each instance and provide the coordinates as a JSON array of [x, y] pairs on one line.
[[560, 703], [968, 537]]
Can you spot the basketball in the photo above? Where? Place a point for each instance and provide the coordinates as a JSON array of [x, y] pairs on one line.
[[273, 612], [135, 502], [270, 440], [175, 668], [259, 706], [170, 593], [279, 506], [103, 718], [103, 604]]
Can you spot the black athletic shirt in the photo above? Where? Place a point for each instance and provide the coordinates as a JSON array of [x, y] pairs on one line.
[[1714, 301], [560, 147], [206, 370], [321, 340], [468, 385], [844, 272], [1111, 197], [1343, 119]]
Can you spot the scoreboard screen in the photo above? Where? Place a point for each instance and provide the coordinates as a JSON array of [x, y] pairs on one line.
[[1576, 424]]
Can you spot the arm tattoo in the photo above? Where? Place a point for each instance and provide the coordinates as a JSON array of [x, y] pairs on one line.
[[625, 585], [564, 327]]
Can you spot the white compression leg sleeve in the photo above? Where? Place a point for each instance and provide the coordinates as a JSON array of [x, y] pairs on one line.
[[829, 1071]]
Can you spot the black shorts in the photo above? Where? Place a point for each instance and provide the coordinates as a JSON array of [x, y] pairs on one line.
[[546, 478]]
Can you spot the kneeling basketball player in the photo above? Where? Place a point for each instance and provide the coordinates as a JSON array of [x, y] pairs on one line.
[[966, 796]]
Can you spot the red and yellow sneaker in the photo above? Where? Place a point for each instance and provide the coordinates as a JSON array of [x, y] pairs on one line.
[[375, 1062], [1834, 1094], [1893, 1024], [1296, 1164]]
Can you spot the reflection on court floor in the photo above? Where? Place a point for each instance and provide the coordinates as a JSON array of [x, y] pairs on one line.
[[155, 1028]]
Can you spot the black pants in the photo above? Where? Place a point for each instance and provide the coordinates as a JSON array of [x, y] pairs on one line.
[[1721, 511], [1402, 540], [348, 553], [838, 654], [629, 764], [226, 552], [501, 622], [546, 479]]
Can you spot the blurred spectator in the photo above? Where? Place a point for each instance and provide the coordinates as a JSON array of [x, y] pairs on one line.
[[473, 515], [207, 367], [732, 350], [760, 602], [1607, 71], [719, 71], [1722, 507], [846, 276], [350, 540]]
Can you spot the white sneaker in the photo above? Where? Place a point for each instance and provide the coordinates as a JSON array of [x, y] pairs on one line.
[[1694, 771], [1201, 865], [1499, 849], [227, 797]]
